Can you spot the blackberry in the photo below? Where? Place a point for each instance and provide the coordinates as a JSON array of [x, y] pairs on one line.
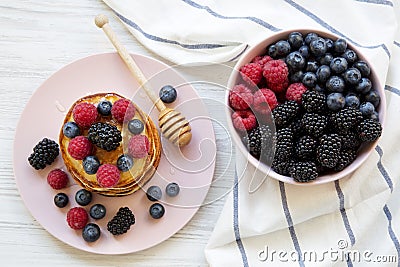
[[314, 124], [346, 157], [328, 150], [345, 119], [121, 222], [305, 147], [350, 140], [369, 130], [304, 171], [44, 153], [259, 142], [284, 144], [105, 136], [297, 127], [313, 101], [282, 167], [284, 113]]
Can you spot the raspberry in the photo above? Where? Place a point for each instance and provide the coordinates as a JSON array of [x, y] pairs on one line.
[[276, 73], [138, 146], [264, 101], [57, 179], [84, 114], [123, 110], [240, 97], [261, 60], [244, 120], [107, 175], [295, 91], [79, 147], [251, 73], [77, 218]]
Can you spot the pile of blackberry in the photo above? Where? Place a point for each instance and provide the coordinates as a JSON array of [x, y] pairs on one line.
[[336, 115], [121, 222]]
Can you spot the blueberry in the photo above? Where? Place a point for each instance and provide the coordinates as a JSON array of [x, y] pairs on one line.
[[295, 40], [124, 163], [339, 46], [71, 129], [318, 88], [363, 67], [61, 200], [335, 101], [375, 116], [338, 64], [325, 59], [273, 51], [367, 109], [167, 94], [304, 51], [352, 100], [172, 189], [318, 47], [311, 66], [282, 48], [135, 126], [91, 232], [329, 44], [335, 84], [97, 211], [295, 60], [83, 197], [350, 56], [373, 97], [309, 79], [310, 37], [352, 76], [363, 86], [156, 211], [91, 164], [104, 108], [296, 77], [323, 73], [154, 193]]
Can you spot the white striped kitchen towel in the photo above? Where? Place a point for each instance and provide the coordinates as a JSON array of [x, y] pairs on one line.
[[351, 222]]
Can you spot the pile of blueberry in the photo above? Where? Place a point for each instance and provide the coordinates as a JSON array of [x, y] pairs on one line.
[[331, 67]]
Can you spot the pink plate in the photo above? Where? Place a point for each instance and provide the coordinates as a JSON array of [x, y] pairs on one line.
[[191, 167]]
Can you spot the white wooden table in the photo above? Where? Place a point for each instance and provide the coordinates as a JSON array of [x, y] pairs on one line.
[[37, 38]]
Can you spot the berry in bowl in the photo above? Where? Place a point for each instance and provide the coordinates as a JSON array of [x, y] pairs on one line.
[[305, 107]]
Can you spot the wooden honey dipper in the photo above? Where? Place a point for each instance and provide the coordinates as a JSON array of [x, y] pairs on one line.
[[173, 125]]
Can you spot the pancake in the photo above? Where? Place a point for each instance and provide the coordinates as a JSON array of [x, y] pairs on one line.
[[142, 169]]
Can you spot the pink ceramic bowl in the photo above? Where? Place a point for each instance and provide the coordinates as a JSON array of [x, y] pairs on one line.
[[260, 49]]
